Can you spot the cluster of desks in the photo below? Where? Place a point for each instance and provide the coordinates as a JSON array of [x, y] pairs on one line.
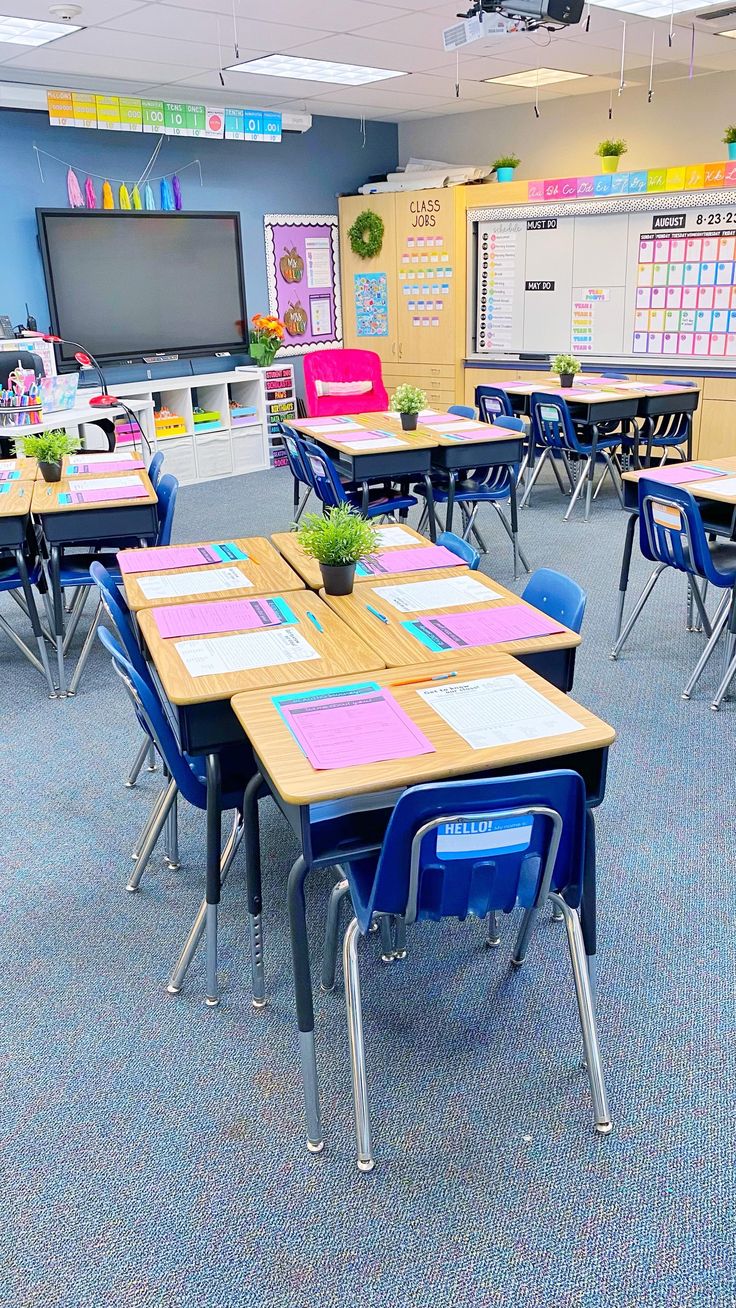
[[39, 519], [218, 697]]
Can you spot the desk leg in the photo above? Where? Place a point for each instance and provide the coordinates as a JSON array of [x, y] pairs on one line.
[[588, 901], [58, 601], [624, 577], [431, 514], [451, 478], [214, 814], [366, 497], [591, 474], [514, 520], [35, 621], [304, 1006], [253, 791]]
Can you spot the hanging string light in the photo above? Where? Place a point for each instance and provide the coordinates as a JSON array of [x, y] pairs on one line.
[[650, 93], [622, 81]]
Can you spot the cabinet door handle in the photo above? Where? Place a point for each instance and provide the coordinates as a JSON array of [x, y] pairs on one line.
[[393, 347], [401, 350]]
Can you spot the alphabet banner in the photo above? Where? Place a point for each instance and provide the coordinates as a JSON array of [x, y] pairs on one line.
[[304, 280]]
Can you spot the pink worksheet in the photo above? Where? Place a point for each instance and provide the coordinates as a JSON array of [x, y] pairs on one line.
[[153, 560], [368, 727], [113, 493], [220, 615], [489, 626], [418, 560], [678, 474], [115, 465]]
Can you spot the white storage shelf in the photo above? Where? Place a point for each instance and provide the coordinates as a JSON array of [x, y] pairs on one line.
[[228, 450]]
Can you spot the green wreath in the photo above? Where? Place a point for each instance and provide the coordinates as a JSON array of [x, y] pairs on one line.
[[366, 234]]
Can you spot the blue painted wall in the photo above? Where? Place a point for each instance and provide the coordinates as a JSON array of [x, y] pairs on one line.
[[301, 175]]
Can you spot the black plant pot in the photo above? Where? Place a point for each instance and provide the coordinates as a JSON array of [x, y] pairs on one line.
[[566, 380], [50, 471], [409, 421], [338, 578]]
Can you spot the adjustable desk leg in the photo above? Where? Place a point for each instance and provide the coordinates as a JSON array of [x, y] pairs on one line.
[[304, 1006], [588, 902], [214, 814], [431, 515], [55, 573], [35, 621], [253, 790], [624, 577]]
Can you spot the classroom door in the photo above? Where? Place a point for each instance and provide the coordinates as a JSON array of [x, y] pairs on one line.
[[369, 285]]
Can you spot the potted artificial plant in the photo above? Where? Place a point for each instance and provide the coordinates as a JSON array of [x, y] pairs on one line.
[[566, 367], [729, 137], [504, 167], [266, 335], [337, 541], [408, 401], [49, 447], [609, 153]]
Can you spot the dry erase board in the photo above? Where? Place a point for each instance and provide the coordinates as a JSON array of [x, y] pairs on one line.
[[658, 284]]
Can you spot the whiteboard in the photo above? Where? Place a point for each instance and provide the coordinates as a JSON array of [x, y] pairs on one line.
[[659, 285]]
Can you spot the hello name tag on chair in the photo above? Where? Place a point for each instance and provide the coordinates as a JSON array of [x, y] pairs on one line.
[[470, 837]]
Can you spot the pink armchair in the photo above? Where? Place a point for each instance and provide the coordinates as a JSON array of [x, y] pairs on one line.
[[335, 382]]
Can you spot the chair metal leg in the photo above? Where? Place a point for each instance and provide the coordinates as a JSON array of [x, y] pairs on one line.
[[637, 609], [493, 934], [140, 759], [730, 672], [179, 971], [357, 1047], [154, 832], [151, 765], [86, 650], [20, 644], [171, 857], [77, 609], [539, 464], [522, 940], [148, 824], [583, 481], [332, 925], [556, 471], [719, 622], [705, 624], [302, 504], [399, 938], [513, 537], [601, 1113]]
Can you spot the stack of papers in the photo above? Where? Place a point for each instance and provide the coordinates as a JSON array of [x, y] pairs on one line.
[[259, 649], [178, 556], [106, 483], [334, 427], [388, 537], [422, 596], [496, 711], [679, 474], [110, 465], [222, 615], [482, 627], [351, 725], [193, 583], [96, 493], [416, 560]]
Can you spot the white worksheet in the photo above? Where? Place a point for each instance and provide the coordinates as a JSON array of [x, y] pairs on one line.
[[103, 483], [420, 596], [328, 428], [257, 649], [91, 456], [388, 536], [380, 443], [193, 583], [498, 711], [724, 485]]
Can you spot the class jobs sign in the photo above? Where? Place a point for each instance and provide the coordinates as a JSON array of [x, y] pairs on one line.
[[118, 113]]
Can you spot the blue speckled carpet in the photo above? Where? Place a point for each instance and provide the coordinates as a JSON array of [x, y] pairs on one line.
[[152, 1151]]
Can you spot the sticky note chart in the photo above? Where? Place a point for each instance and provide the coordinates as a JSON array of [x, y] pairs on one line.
[[686, 294]]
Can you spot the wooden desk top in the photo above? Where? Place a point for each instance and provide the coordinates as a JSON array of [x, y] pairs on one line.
[[340, 650], [100, 461], [421, 439], [702, 490], [398, 647], [264, 569], [16, 501], [601, 388], [287, 543], [46, 495], [299, 783], [28, 468]]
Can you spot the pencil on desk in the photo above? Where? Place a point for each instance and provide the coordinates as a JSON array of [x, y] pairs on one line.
[[376, 614], [414, 681], [315, 621]]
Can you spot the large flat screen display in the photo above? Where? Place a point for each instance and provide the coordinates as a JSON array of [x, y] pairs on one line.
[[127, 285]]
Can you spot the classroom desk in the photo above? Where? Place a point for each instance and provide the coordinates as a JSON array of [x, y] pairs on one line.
[[552, 656], [205, 722], [343, 813], [500, 448], [264, 572], [28, 468], [287, 543], [87, 524], [15, 509], [402, 465]]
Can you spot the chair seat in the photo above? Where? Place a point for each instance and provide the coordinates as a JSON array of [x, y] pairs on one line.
[[470, 492], [10, 576], [386, 503], [74, 569]]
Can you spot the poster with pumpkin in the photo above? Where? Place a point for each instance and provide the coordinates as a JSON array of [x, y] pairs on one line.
[[303, 279]]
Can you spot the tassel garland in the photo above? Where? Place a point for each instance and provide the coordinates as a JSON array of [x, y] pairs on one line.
[[89, 194], [123, 196], [107, 200], [76, 199], [167, 198], [148, 199], [176, 188], [136, 197]]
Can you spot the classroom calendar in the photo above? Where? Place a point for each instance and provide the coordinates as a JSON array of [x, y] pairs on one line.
[[686, 291]]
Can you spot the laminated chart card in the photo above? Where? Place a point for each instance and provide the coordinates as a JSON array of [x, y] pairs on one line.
[[351, 726], [482, 627], [684, 293], [107, 483], [420, 596], [496, 711], [179, 556], [418, 560], [258, 649], [679, 474], [111, 465], [222, 615], [182, 584]]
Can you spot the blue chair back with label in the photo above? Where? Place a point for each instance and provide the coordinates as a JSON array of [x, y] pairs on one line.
[[671, 531], [558, 596], [154, 468], [462, 548], [461, 410], [294, 455], [323, 475], [492, 402], [552, 424]]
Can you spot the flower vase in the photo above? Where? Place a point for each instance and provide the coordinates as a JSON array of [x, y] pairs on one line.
[[731, 149]]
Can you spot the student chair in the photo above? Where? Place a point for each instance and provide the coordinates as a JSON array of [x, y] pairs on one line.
[[668, 432], [188, 776], [18, 581], [492, 402], [477, 486], [553, 432], [154, 468], [462, 410], [672, 535], [297, 469], [475, 848], [558, 596], [76, 573], [330, 491], [343, 381], [462, 548]]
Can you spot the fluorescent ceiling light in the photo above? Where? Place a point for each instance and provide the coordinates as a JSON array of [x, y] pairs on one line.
[[651, 8], [32, 31], [731, 33], [536, 77], [314, 70]]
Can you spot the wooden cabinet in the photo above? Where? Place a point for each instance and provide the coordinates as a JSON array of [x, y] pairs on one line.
[[382, 264]]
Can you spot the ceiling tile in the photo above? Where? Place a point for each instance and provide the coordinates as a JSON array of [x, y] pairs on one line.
[[372, 54], [50, 60], [199, 24], [413, 29], [93, 11], [96, 41]]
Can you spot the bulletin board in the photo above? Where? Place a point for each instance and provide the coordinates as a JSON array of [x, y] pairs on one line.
[[650, 276], [304, 280]]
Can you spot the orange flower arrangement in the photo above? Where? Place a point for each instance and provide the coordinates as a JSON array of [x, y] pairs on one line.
[[266, 337]]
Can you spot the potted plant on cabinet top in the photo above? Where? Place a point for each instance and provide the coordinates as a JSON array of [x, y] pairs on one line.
[[337, 541], [566, 367], [505, 166], [265, 338], [729, 137], [49, 447], [409, 402], [609, 153]]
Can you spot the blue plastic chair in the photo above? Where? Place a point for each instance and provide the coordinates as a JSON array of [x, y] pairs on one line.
[[462, 548], [476, 848], [462, 410], [561, 598], [672, 535], [330, 491], [492, 402], [553, 432], [188, 779], [75, 572], [154, 468], [298, 471], [17, 580], [668, 431]]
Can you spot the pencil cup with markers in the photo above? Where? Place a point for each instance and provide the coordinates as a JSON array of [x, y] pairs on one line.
[[20, 410]]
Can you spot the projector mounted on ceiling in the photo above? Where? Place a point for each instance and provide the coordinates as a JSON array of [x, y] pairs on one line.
[[505, 16]]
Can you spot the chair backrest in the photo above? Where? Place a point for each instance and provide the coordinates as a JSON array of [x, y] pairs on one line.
[[558, 596], [509, 421], [152, 718], [461, 410], [551, 422], [323, 475], [474, 847], [491, 401], [154, 468], [671, 531], [615, 374], [166, 491], [679, 381], [462, 548], [293, 452], [118, 612], [343, 368]]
